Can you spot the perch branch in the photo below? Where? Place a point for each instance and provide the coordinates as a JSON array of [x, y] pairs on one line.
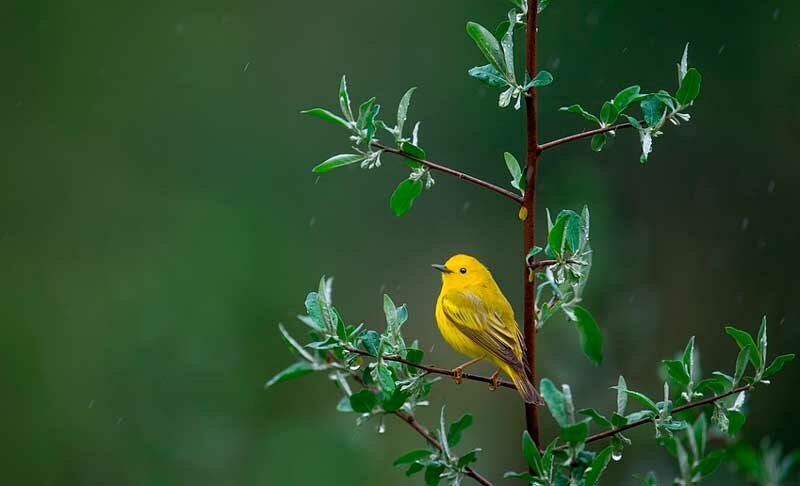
[[434, 369], [452, 172]]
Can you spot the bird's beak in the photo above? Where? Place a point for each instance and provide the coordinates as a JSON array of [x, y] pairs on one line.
[[441, 268]]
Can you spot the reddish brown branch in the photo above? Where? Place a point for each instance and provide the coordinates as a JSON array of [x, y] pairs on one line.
[[578, 136], [410, 420], [611, 432], [452, 172], [434, 369], [529, 223]]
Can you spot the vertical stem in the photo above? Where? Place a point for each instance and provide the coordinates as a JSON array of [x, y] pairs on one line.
[[529, 203]]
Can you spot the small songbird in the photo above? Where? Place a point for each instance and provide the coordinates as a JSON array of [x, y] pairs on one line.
[[476, 319]]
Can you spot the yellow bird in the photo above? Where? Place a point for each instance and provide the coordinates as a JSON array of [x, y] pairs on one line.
[[476, 319]]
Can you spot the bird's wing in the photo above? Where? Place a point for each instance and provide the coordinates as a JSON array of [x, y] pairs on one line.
[[493, 329]]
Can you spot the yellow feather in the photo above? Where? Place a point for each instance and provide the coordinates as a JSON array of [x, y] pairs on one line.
[[476, 319]]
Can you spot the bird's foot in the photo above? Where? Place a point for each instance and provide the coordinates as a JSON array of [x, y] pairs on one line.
[[458, 373], [494, 384]]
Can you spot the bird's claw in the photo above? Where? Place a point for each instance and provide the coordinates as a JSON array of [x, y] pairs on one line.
[[458, 373], [494, 384]]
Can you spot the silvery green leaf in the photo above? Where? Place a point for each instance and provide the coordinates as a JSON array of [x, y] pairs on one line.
[[288, 339], [488, 75], [543, 4], [543, 78], [402, 111], [737, 404], [326, 115], [579, 110], [337, 161], [505, 97], [488, 45], [683, 66], [507, 43], [646, 138], [415, 134], [344, 100], [622, 397]]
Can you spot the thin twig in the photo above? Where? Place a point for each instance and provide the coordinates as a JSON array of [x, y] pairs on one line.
[[581, 135], [410, 420], [421, 430], [447, 170], [611, 432], [434, 369]]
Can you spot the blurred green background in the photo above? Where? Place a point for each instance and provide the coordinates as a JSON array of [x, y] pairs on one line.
[[158, 218]]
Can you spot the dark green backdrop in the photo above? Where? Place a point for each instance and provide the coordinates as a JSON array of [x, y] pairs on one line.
[[158, 218]]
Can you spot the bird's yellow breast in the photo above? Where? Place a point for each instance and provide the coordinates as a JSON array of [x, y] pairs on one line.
[[455, 338]]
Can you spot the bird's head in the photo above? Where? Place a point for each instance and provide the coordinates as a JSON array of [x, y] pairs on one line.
[[463, 271]]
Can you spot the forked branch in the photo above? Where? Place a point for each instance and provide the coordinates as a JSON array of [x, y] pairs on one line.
[[586, 134]]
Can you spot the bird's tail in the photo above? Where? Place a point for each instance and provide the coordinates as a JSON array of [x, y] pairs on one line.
[[525, 387]]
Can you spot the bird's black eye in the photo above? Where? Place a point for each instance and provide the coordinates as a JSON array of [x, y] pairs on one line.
[[463, 270]]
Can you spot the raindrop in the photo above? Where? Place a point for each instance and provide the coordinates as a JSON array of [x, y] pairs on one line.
[[616, 455], [771, 185], [721, 48], [465, 206], [119, 420], [381, 427], [312, 222], [776, 14], [180, 28], [316, 180], [745, 223], [555, 63], [91, 403], [762, 243], [247, 66]]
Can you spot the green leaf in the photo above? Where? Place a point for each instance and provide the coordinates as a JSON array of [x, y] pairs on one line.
[[590, 336], [542, 78], [677, 371], [294, 371], [579, 110], [404, 195], [653, 109], [743, 339], [489, 76], [457, 428], [599, 464], [690, 87], [363, 401], [608, 113], [327, 116], [598, 141], [715, 385], [344, 100], [412, 456], [555, 402], [488, 45], [415, 355], [741, 363], [700, 433], [433, 474], [777, 364], [642, 398], [575, 434], [395, 401], [402, 110], [507, 45], [370, 341], [596, 417], [709, 464], [364, 111], [566, 232], [517, 176], [337, 161], [414, 469], [649, 480], [622, 397], [625, 97], [531, 454], [736, 420], [385, 379], [414, 151], [525, 476], [633, 121], [543, 4], [688, 358], [467, 459], [344, 405]]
